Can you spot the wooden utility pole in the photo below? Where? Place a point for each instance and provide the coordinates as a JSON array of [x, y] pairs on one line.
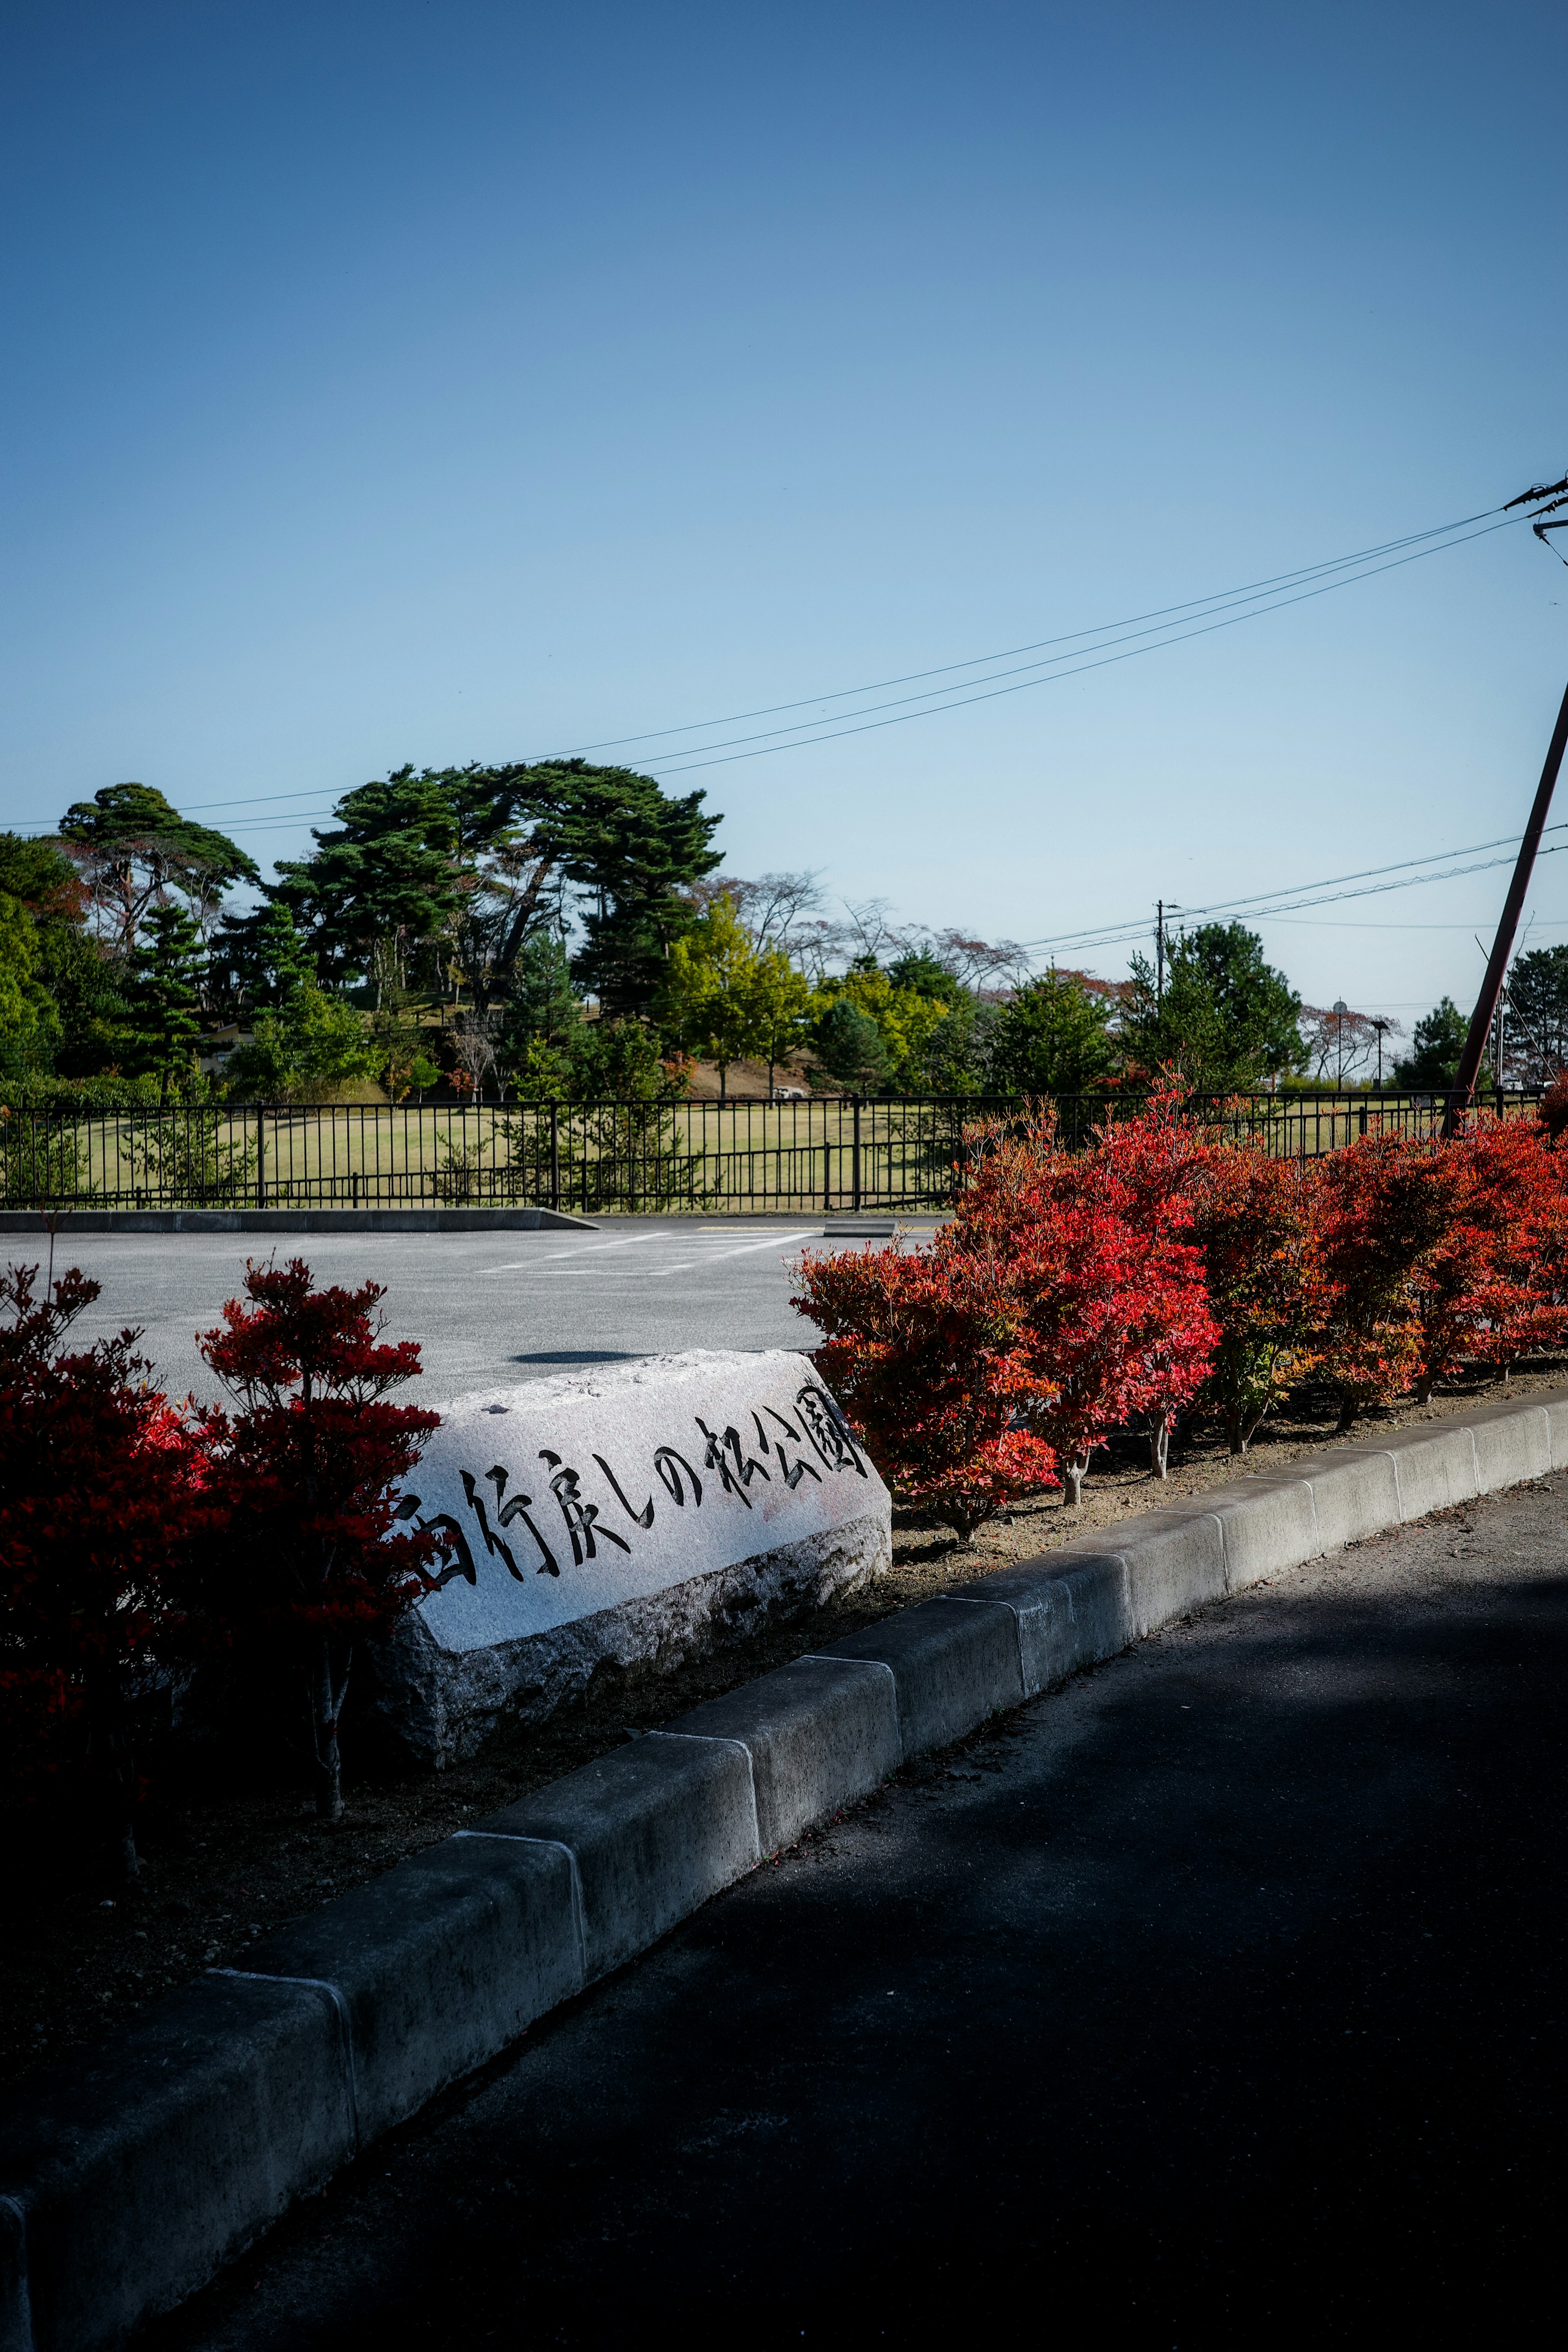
[[1546, 499], [1463, 1091], [1159, 951]]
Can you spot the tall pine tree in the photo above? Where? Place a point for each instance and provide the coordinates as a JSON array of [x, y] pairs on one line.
[[165, 996]]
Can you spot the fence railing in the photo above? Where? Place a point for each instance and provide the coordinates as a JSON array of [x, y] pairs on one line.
[[826, 1152]]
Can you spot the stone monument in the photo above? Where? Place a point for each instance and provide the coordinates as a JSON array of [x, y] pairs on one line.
[[620, 1518]]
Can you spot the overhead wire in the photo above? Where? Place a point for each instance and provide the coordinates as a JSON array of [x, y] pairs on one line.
[[1219, 596], [1261, 909], [1133, 624], [1077, 669]]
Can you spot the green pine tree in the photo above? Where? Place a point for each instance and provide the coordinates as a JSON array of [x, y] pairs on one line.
[[1225, 1019], [167, 970], [131, 848], [383, 883], [1433, 1062], [1053, 1039], [632, 851]]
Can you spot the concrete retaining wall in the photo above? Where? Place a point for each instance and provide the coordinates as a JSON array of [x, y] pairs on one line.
[[133, 2172]]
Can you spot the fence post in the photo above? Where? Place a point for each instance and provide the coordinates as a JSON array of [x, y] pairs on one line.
[[855, 1162], [1362, 1122], [260, 1158], [554, 1155]]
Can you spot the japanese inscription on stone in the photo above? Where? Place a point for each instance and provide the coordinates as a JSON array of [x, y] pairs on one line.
[[569, 1495]]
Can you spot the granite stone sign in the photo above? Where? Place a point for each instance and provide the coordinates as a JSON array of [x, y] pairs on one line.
[[616, 1519]]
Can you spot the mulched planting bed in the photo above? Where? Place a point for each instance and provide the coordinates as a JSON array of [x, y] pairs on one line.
[[226, 1859]]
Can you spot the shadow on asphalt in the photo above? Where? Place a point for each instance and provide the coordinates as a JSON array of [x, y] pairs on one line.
[[576, 1356], [1216, 1996]]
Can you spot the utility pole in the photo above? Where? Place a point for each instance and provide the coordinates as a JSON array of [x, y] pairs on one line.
[[1463, 1087], [1159, 951], [1341, 1009], [1545, 498]]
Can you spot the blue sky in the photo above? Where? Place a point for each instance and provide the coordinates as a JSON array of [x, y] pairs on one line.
[[457, 381]]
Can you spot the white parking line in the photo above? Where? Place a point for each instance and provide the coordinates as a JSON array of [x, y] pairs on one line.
[[774, 1241], [584, 1249], [710, 1257]]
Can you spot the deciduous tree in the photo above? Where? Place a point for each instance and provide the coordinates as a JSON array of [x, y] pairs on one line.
[[711, 1001]]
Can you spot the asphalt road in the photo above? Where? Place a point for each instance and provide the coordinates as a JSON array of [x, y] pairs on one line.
[[1216, 1998], [487, 1309]]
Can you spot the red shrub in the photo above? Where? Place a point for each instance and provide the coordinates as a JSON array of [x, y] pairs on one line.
[[100, 1497], [1552, 1110], [1112, 1288], [1483, 1289], [1062, 1301], [1258, 1222], [1386, 1203], [926, 1351], [304, 1474]]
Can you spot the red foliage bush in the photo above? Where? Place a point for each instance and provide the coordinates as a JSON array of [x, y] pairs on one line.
[[1481, 1290], [1061, 1300], [1257, 1222], [1076, 1292], [1552, 1110], [1384, 1203], [1113, 1291], [1438, 1251], [99, 1497], [927, 1352], [304, 1475]]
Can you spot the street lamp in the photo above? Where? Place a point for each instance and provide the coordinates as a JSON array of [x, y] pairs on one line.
[[1380, 1026], [1341, 1009]]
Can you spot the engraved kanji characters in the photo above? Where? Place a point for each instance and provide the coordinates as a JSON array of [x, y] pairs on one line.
[[518, 1508], [581, 1517]]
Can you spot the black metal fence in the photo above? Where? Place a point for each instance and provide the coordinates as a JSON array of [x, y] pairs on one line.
[[826, 1152]]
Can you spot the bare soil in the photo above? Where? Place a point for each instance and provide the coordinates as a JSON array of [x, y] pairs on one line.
[[231, 1854]]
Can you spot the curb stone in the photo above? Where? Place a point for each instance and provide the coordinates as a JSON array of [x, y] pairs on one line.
[[134, 2170], [293, 1221]]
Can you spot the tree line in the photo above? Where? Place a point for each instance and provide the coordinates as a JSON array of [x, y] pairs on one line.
[[565, 930]]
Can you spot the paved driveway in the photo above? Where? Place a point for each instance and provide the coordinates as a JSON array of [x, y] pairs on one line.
[[1216, 1998], [487, 1309]]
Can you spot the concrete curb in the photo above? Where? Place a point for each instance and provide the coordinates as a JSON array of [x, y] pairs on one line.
[[134, 2171], [293, 1220]]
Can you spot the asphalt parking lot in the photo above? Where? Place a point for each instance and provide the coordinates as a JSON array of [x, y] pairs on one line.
[[488, 1309]]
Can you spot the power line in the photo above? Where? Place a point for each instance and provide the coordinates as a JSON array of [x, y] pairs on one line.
[[1109, 935], [978, 661], [1253, 593], [1103, 661], [1327, 923], [1364, 873]]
